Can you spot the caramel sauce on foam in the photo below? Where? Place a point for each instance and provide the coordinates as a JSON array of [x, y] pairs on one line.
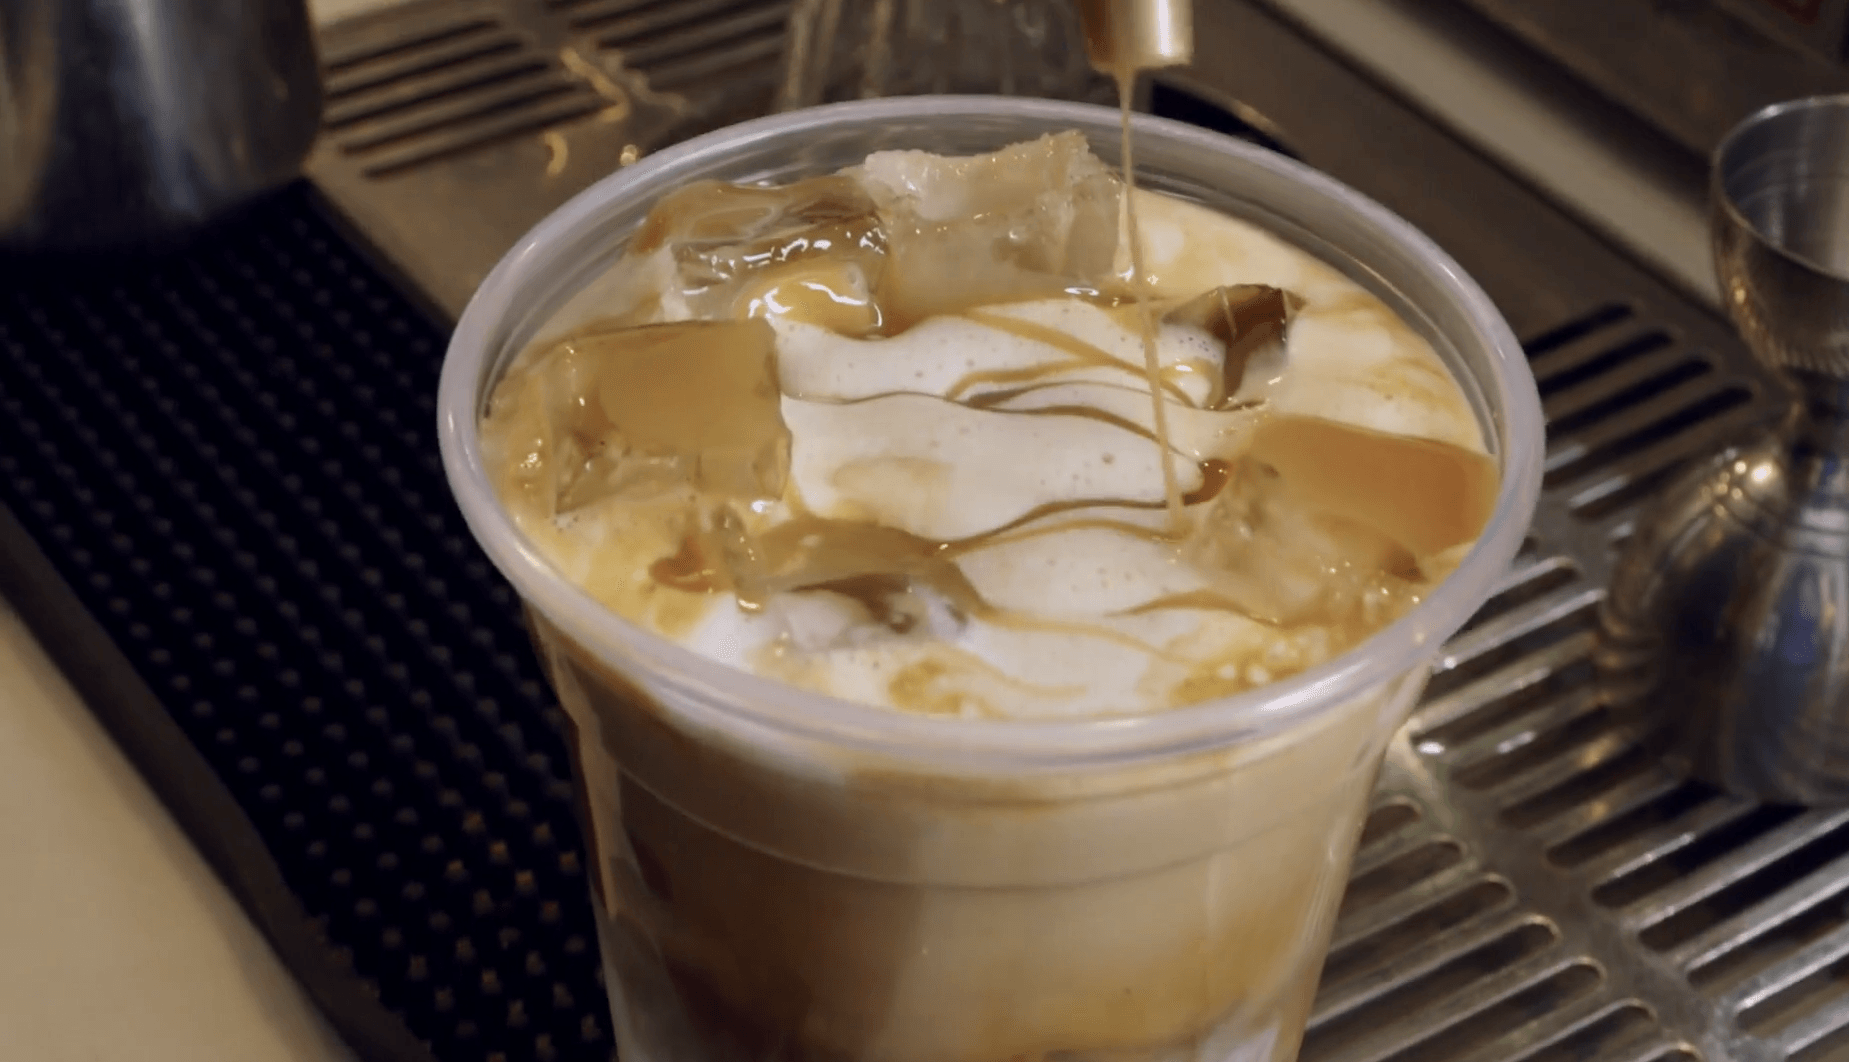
[[710, 442], [1081, 353]]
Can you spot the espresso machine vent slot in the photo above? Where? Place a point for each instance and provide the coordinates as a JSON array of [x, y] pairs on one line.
[[677, 44], [462, 87]]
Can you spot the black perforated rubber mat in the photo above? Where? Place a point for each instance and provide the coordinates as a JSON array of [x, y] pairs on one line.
[[229, 524]]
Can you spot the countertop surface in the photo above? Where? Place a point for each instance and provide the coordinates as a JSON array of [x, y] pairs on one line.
[[120, 942]]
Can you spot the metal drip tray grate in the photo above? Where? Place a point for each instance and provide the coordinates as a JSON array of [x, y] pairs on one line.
[[337, 667], [453, 125]]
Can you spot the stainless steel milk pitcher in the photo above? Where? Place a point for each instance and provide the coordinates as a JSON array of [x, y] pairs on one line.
[[123, 121]]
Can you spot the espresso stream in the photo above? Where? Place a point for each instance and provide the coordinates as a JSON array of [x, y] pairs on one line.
[[1132, 243]]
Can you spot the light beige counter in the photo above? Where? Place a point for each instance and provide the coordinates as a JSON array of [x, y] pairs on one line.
[[119, 941]]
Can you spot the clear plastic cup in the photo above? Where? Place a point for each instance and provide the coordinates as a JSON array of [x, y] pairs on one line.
[[782, 875]]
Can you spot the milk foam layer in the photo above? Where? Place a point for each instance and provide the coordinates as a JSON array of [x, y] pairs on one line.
[[961, 503]]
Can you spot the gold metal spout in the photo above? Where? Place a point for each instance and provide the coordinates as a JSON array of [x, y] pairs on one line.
[[1124, 36]]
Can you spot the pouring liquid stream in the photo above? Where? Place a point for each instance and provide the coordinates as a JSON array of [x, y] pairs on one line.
[[1131, 238]]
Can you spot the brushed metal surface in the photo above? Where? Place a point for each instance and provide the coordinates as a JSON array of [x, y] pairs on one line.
[[1781, 230], [454, 125], [1138, 34], [1691, 68]]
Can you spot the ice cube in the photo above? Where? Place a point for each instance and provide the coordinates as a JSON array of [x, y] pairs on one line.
[[1028, 221], [1248, 320], [1426, 496], [814, 551], [1279, 560], [644, 412], [884, 581], [729, 242], [517, 441], [833, 295]]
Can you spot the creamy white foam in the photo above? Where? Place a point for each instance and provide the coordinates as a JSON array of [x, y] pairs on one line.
[[1018, 438]]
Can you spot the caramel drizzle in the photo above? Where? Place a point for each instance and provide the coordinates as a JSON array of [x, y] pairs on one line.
[[1083, 354], [1203, 600], [1019, 531], [992, 401]]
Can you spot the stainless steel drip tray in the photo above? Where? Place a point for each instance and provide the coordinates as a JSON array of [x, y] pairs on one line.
[[1532, 885], [454, 125]]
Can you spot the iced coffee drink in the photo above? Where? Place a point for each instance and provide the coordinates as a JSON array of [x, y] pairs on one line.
[[926, 579]]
